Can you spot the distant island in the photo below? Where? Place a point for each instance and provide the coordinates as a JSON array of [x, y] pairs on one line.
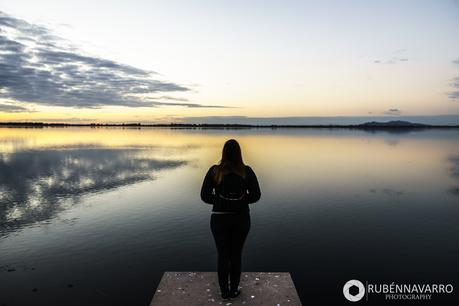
[[397, 124]]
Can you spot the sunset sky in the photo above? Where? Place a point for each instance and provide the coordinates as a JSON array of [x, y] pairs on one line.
[[148, 61]]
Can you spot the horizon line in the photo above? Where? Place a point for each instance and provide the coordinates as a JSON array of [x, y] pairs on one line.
[[366, 125]]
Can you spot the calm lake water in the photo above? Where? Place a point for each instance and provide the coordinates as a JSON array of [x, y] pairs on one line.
[[95, 216]]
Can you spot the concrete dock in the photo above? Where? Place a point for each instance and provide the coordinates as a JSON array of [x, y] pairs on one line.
[[201, 288]]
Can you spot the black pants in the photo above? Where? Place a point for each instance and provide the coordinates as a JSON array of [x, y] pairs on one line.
[[230, 232]]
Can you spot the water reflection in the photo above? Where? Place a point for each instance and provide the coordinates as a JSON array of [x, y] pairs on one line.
[[388, 191], [454, 171], [36, 184], [374, 197]]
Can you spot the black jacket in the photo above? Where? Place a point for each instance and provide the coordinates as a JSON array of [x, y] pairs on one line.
[[209, 190]]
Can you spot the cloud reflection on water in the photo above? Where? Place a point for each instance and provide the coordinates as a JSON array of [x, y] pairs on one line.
[[36, 184]]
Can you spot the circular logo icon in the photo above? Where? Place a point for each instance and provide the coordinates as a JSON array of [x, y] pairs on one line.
[[354, 290]]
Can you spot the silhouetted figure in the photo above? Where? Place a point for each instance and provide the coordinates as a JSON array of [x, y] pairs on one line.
[[230, 186]]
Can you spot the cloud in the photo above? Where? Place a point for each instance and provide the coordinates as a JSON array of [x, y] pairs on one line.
[[393, 112], [391, 61], [12, 108], [172, 98], [455, 93], [38, 67], [396, 58], [191, 105]]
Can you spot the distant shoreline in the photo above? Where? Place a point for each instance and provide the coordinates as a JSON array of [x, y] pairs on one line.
[[366, 126]]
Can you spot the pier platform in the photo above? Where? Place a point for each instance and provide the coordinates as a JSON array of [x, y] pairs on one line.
[[201, 288]]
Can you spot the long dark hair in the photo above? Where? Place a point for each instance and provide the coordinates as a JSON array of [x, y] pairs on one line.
[[231, 161]]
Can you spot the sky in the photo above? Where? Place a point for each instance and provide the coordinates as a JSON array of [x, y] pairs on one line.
[[168, 61]]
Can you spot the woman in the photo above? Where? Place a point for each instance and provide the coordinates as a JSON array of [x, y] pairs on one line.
[[230, 186]]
